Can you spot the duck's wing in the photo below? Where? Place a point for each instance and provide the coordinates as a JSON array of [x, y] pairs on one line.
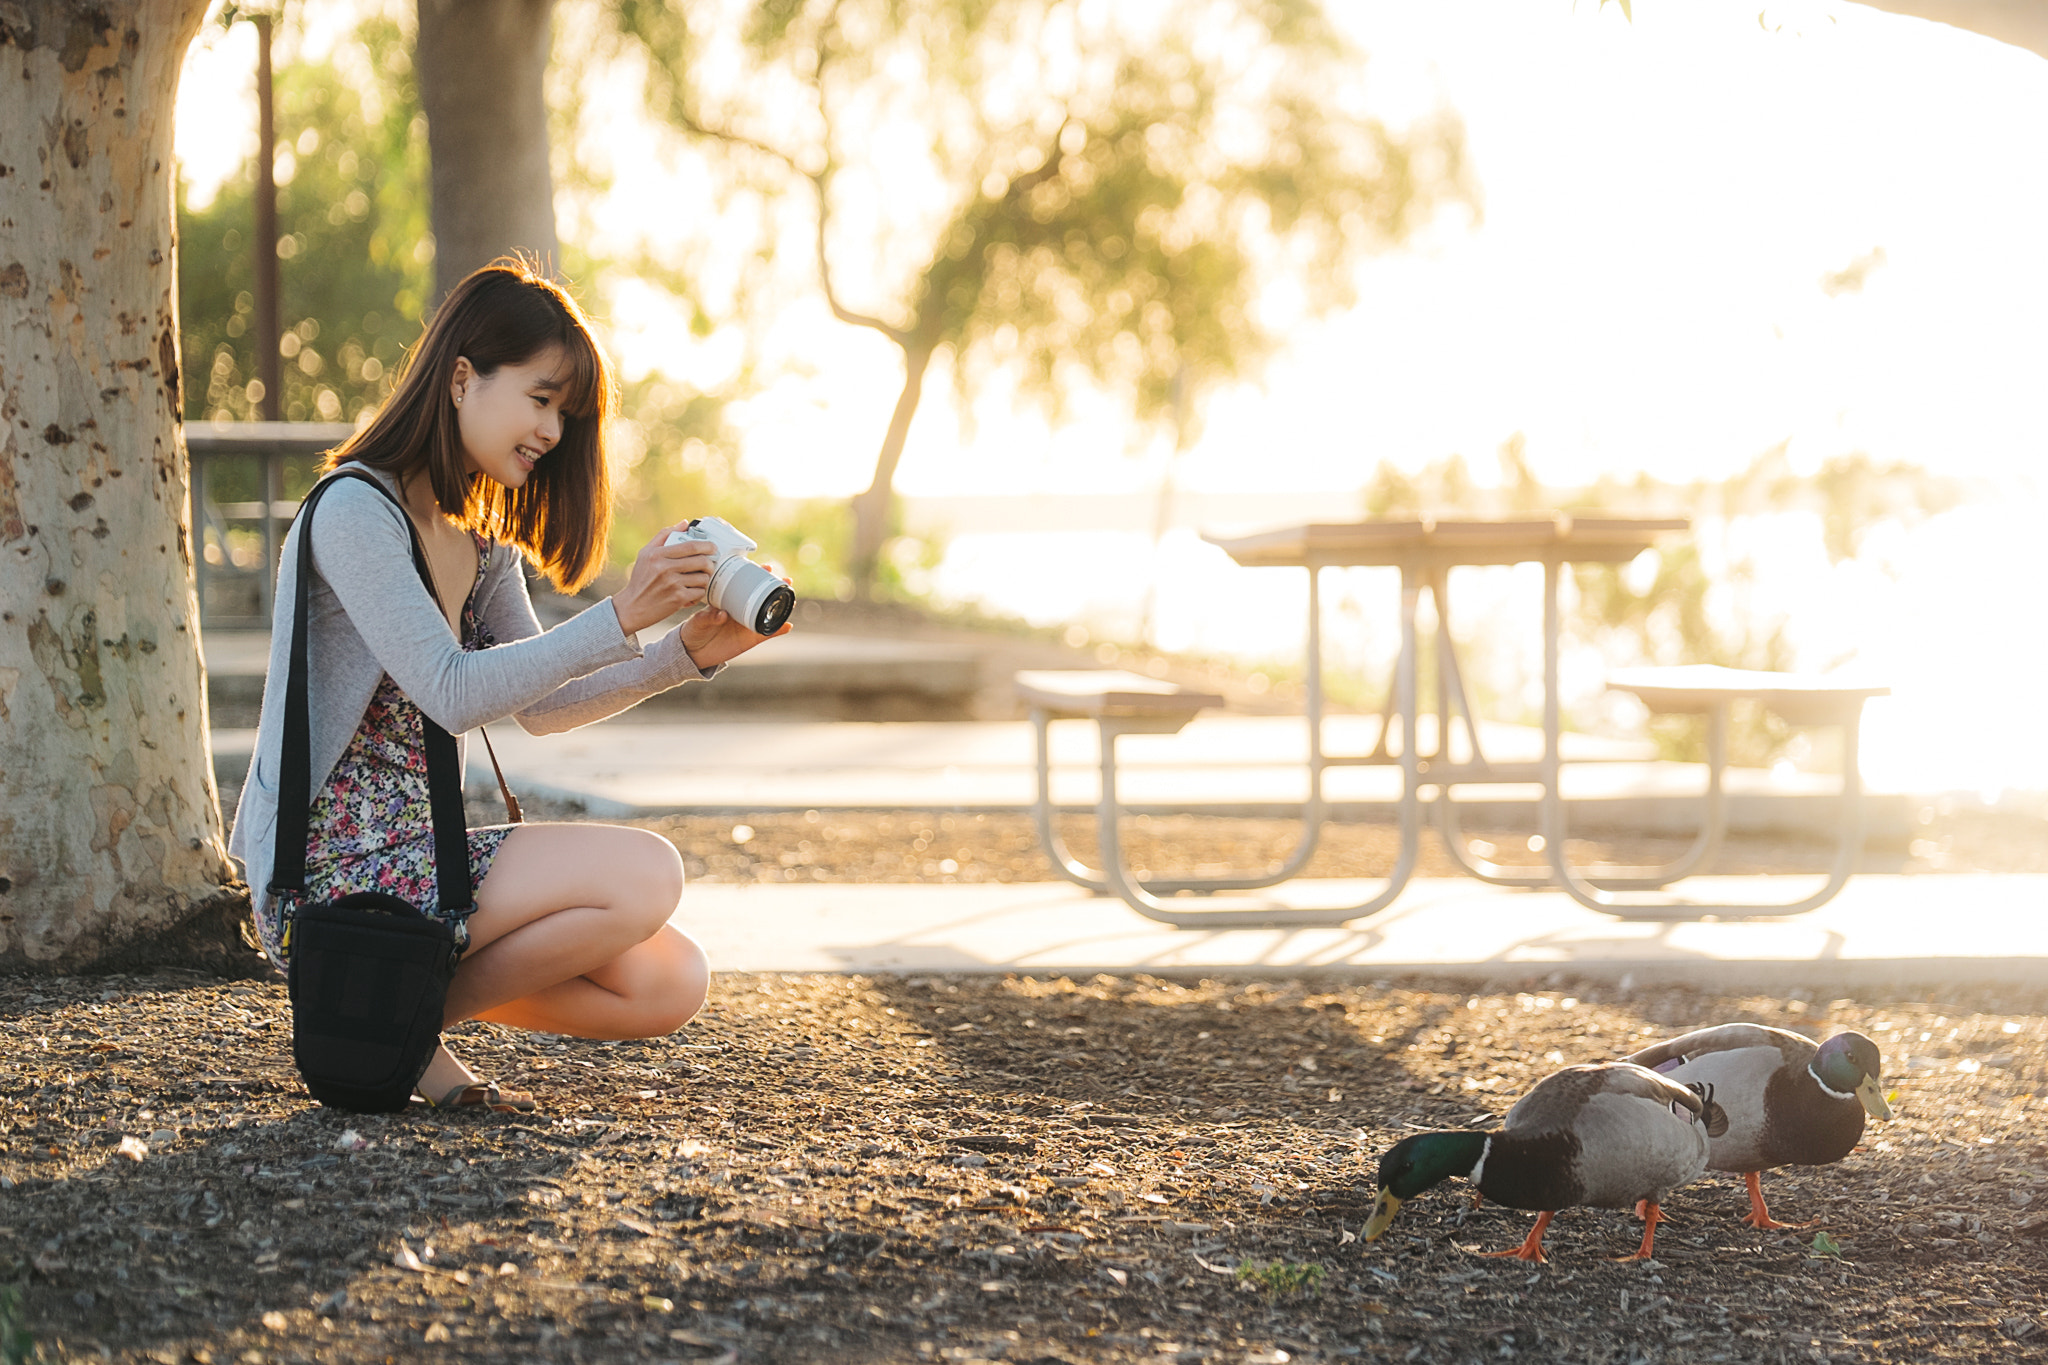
[[1633, 1133], [1556, 1101], [1744, 1065], [1553, 1103], [1691, 1047]]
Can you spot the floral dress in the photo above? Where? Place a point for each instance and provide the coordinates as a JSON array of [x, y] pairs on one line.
[[372, 828]]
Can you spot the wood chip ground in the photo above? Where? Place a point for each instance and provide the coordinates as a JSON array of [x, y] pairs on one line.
[[997, 1168]]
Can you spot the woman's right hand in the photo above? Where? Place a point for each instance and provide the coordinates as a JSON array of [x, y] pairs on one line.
[[665, 579]]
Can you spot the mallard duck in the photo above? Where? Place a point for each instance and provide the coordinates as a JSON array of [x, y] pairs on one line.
[[1611, 1134], [1789, 1103]]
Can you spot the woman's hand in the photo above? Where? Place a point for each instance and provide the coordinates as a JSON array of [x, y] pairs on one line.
[[711, 637], [666, 579]]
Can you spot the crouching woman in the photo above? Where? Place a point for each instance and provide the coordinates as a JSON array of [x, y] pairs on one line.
[[493, 445]]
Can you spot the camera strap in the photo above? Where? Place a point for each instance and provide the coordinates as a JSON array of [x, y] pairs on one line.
[[294, 772]]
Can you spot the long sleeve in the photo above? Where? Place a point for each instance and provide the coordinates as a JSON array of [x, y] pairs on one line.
[[362, 548], [508, 614]]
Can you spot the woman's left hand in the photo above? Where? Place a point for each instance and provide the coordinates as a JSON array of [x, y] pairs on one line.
[[711, 637]]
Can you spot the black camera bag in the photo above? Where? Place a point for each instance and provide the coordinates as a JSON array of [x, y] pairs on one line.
[[368, 973]]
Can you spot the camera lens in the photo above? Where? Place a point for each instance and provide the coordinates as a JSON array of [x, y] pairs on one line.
[[747, 592], [775, 610]]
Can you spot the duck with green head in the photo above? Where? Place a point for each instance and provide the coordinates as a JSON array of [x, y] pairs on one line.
[[1789, 1102], [1610, 1135]]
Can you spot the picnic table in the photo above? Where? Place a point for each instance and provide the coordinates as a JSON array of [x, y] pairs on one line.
[[1424, 551]]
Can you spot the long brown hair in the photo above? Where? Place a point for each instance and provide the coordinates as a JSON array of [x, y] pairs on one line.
[[505, 314]]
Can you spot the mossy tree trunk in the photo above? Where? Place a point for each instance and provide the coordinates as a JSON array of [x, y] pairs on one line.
[[111, 849]]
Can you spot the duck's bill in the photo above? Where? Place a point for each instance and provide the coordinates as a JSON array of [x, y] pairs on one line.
[[1872, 1095], [1383, 1212]]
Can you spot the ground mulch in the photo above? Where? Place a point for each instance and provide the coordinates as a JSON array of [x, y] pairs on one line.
[[854, 1169], [959, 1168]]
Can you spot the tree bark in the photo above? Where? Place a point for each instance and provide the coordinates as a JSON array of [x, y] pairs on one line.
[[481, 67], [871, 507], [111, 852], [2022, 23]]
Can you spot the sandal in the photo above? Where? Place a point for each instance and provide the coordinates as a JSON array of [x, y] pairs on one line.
[[485, 1095]]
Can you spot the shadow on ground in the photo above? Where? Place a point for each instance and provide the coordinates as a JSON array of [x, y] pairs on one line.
[[928, 1167]]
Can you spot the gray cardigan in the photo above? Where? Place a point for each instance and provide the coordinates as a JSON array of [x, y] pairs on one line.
[[371, 615]]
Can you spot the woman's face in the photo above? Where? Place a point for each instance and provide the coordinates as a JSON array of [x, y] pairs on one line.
[[512, 417]]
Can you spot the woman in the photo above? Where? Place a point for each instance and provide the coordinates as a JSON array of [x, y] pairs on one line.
[[494, 442]]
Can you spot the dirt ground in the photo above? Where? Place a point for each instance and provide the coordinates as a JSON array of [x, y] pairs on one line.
[[851, 1169], [1013, 1168]]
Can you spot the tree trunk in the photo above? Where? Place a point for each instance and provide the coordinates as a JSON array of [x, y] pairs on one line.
[[481, 64], [111, 853], [2022, 23], [871, 507]]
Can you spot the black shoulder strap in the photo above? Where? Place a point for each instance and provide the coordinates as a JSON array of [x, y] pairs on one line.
[[294, 771]]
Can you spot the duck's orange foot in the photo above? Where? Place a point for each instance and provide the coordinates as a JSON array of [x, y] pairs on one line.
[[1762, 1220], [1524, 1252], [1759, 1215], [1531, 1248]]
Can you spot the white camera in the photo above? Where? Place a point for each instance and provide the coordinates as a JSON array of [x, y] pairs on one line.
[[740, 588]]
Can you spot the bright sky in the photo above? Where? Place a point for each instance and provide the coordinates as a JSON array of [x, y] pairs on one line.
[[1662, 202]]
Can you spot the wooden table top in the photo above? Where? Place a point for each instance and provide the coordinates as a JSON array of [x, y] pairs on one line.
[[1430, 543]]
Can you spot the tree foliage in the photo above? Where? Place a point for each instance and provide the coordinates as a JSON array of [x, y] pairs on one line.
[[353, 236], [1071, 194]]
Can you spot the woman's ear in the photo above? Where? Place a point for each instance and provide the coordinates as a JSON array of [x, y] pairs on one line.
[[459, 381]]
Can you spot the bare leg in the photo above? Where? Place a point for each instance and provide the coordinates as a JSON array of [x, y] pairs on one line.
[[571, 935], [653, 988]]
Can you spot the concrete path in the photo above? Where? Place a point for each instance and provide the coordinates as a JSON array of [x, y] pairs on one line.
[[1222, 764], [1882, 932]]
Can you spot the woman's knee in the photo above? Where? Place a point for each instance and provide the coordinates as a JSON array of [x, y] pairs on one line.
[[651, 878], [684, 981]]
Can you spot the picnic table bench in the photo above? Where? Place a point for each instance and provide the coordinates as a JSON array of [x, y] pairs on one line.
[[1119, 703], [1711, 691]]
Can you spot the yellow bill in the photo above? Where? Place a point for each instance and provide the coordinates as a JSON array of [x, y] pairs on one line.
[[1383, 1212], [1872, 1096]]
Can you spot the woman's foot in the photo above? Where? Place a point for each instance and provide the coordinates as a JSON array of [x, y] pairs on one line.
[[448, 1084], [445, 1075]]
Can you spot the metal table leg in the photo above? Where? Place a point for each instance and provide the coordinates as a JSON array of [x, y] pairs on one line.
[[1274, 914], [1577, 883]]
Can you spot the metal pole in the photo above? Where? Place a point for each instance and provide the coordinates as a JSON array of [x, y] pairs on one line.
[[269, 328]]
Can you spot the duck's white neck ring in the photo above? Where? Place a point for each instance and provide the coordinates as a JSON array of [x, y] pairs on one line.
[[1479, 1166], [1827, 1089]]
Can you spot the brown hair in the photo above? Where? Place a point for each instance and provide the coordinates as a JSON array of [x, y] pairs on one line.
[[505, 314]]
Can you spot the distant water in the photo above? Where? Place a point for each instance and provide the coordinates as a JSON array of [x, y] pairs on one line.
[[1948, 611]]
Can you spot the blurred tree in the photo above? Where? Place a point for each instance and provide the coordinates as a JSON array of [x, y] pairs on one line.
[[359, 255], [1067, 192], [352, 214], [482, 67], [111, 853]]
